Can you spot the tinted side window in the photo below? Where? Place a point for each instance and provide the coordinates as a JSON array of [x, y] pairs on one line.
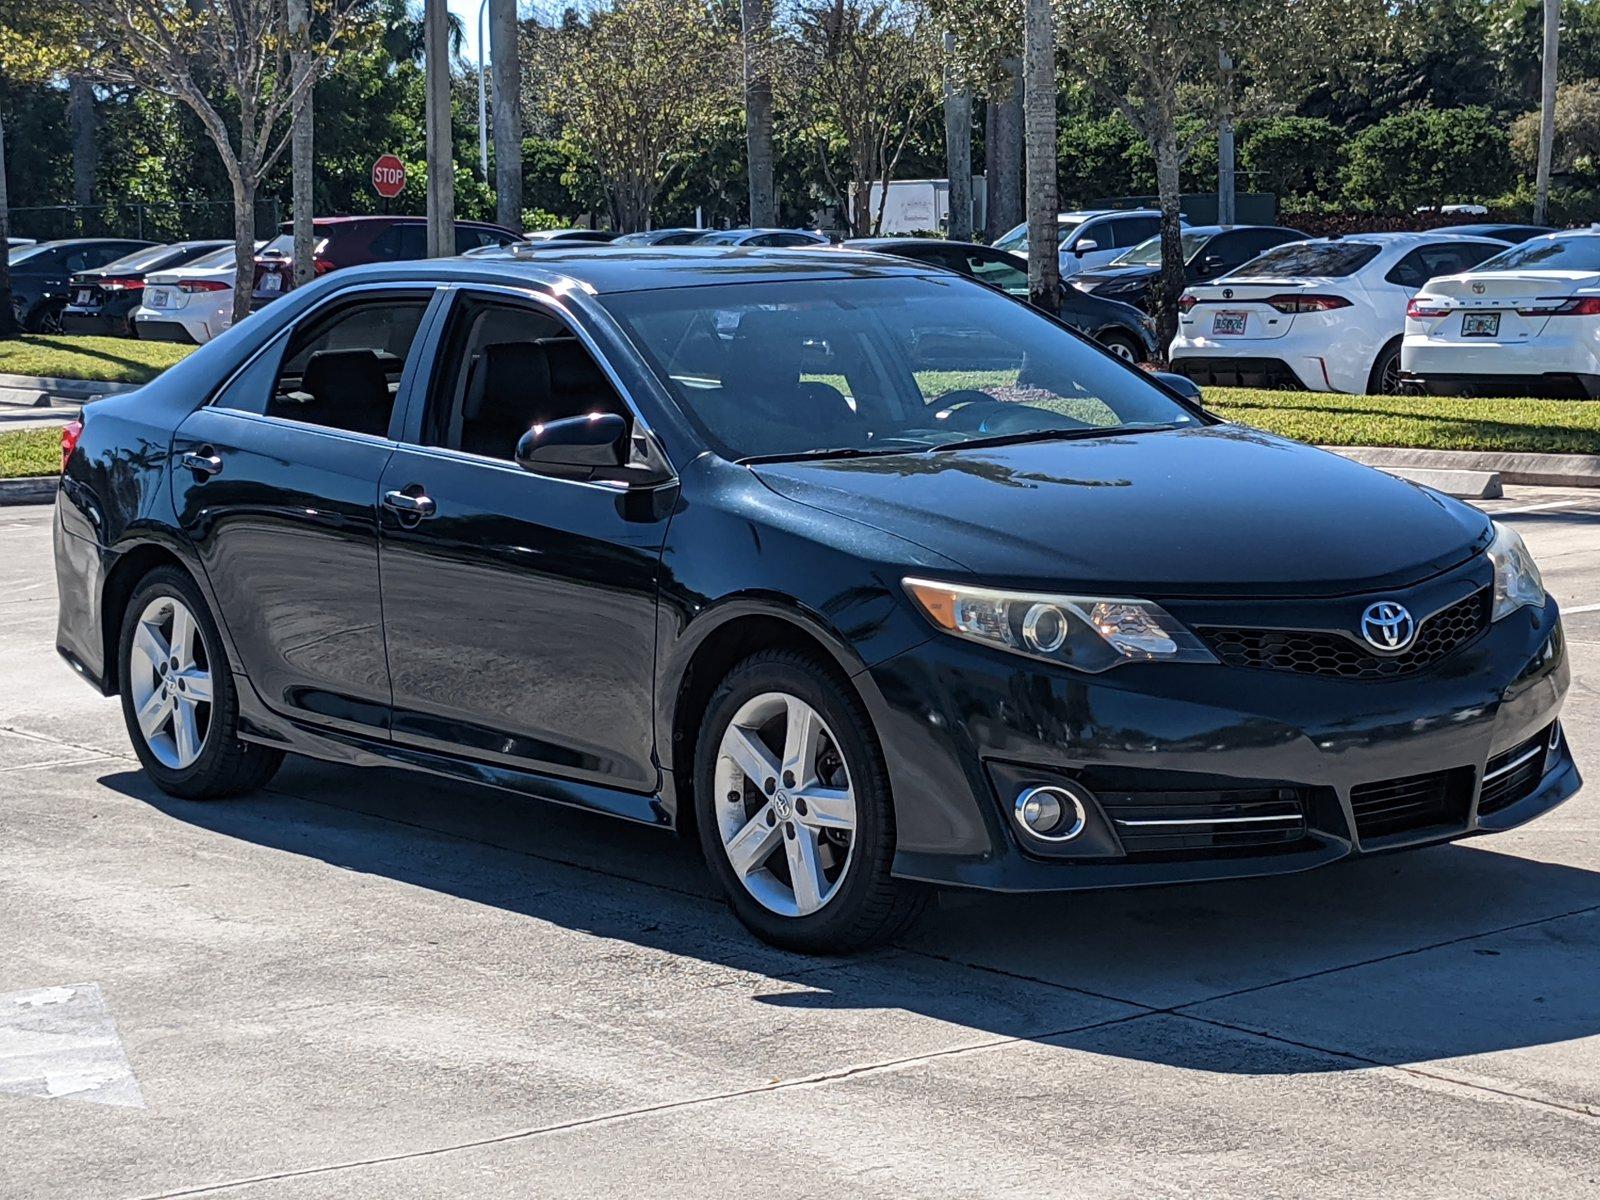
[[1130, 231], [468, 238], [399, 242], [1441, 258], [999, 273], [341, 367]]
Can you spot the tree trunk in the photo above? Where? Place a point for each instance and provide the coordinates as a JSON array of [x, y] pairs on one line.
[[441, 162], [1547, 110], [84, 157], [1168, 161], [506, 72], [756, 17], [1039, 123], [1003, 159], [244, 240], [300, 150], [8, 312], [1226, 195], [957, 149]]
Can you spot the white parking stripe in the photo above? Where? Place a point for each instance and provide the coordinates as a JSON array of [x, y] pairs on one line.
[[1567, 612], [59, 1043], [1506, 512]]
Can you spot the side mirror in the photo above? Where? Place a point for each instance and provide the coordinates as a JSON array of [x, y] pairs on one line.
[[575, 447], [1182, 384], [1084, 246]]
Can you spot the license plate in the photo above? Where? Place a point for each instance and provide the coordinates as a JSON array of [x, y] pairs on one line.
[[84, 296], [1229, 322], [272, 283], [1480, 324], [158, 299]]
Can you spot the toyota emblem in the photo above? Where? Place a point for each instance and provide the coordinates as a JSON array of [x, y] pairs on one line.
[[1227, 293], [1477, 289], [1388, 626]]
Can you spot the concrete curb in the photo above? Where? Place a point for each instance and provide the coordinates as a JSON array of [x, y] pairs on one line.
[[1539, 470], [36, 489], [44, 391]]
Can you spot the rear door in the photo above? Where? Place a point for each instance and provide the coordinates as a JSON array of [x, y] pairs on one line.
[[519, 610], [276, 484]]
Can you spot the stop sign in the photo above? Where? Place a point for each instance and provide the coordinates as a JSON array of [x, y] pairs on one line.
[[388, 176]]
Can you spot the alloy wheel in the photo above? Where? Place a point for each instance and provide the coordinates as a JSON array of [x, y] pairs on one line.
[[169, 675], [1121, 349], [785, 806]]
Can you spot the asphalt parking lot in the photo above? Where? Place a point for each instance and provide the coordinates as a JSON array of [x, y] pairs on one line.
[[375, 984]]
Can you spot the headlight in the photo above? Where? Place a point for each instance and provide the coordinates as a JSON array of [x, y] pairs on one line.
[[1516, 580], [1089, 633]]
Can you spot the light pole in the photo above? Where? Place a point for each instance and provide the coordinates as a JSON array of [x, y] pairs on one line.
[[483, 104]]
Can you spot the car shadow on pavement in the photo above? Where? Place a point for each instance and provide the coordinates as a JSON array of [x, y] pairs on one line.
[[1430, 955]]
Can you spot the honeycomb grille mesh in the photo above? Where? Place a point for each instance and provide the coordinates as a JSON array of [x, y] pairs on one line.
[[1314, 652]]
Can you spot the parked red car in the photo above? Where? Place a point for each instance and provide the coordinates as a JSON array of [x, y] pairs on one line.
[[350, 241]]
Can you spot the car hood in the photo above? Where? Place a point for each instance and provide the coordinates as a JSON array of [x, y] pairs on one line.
[[1134, 273], [1219, 511]]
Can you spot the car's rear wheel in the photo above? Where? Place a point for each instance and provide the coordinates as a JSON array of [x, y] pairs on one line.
[[178, 697], [46, 318], [1123, 346], [793, 807], [1385, 377]]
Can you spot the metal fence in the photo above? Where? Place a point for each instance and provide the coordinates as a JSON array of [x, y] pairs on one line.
[[157, 222]]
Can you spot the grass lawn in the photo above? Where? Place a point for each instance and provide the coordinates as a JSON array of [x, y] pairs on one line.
[[102, 359], [1429, 422], [30, 452]]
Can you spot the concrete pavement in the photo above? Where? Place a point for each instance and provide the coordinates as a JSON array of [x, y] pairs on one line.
[[376, 984]]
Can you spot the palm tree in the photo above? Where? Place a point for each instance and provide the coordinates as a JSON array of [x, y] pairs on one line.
[[756, 19], [1547, 109], [1039, 138]]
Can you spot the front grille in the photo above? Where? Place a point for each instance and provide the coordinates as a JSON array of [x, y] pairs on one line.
[[1415, 802], [1513, 775], [1172, 824], [1314, 652]]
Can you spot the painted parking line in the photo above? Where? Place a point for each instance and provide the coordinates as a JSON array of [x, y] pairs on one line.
[[1581, 608], [1532, 508], [60, 1043]]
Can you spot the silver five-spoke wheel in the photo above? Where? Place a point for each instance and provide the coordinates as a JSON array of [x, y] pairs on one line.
[[785, 807], [170, 679]]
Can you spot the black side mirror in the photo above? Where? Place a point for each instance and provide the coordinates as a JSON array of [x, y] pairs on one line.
[[1182, 384], [575, 447]]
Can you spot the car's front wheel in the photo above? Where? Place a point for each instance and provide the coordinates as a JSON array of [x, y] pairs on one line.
[[178, 697], [1123, 346], [793, 807]]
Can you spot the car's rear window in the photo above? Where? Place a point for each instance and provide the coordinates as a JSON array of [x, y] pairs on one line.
[[1567, 252], [1297, 259], [145, 259]]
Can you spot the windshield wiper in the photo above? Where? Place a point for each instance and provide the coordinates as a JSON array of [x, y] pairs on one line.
[[813, 455], [1055, 435]]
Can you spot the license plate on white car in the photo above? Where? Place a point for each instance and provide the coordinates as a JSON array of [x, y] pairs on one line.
[[272, 283], [84, 296], [1479, 324], [1229, 323], [157, 298]]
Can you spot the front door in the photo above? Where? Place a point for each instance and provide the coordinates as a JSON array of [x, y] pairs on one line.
[[520, 610], [276, 484]]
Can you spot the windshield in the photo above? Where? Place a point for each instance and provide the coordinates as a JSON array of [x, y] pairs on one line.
[[1572, 252], [20, 254], [1294, 260], [1148, 252], [878, 366], [217, 258], [1016, 240], [283, 246]]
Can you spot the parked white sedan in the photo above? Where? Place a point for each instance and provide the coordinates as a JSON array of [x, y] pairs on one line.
[[1526, 322], [192, 303], [1326, 315]]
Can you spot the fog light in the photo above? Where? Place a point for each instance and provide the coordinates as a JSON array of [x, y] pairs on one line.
[[1050, 812]]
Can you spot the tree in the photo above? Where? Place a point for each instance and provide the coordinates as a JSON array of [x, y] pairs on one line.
[[632, 86], [755, 19], [1547, 109], [957, 146], [1039, 138], [1293, 156], [507, 68], [1575, 148], [232, 63], [1427, 157], [865, 74]]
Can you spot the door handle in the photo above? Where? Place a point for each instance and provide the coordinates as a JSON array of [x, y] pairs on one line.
[[201, 464], [409, 505]]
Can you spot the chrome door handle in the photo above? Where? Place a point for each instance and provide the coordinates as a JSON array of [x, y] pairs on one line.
[[407, 505], [201, 464]]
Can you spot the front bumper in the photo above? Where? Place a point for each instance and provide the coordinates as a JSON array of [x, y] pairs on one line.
[[964, 729]]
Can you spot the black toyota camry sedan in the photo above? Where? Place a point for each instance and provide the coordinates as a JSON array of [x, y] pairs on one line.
[[871, 578]]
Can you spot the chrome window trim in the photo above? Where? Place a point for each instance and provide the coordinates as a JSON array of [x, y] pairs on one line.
[[611, 487]]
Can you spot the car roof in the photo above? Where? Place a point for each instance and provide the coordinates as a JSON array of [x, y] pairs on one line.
[[607, 269], [137, 243]]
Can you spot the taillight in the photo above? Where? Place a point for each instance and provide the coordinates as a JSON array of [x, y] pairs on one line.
[[202, 285], [1186, 302], [1578, 306], [122, 285], [1307, 304], [1417, 311], [70, 433], [321, 265]]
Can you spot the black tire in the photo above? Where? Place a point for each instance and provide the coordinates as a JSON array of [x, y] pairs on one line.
[[1122, 345], [226, 766], [46, 318], [1383, 379], [870, 906]]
